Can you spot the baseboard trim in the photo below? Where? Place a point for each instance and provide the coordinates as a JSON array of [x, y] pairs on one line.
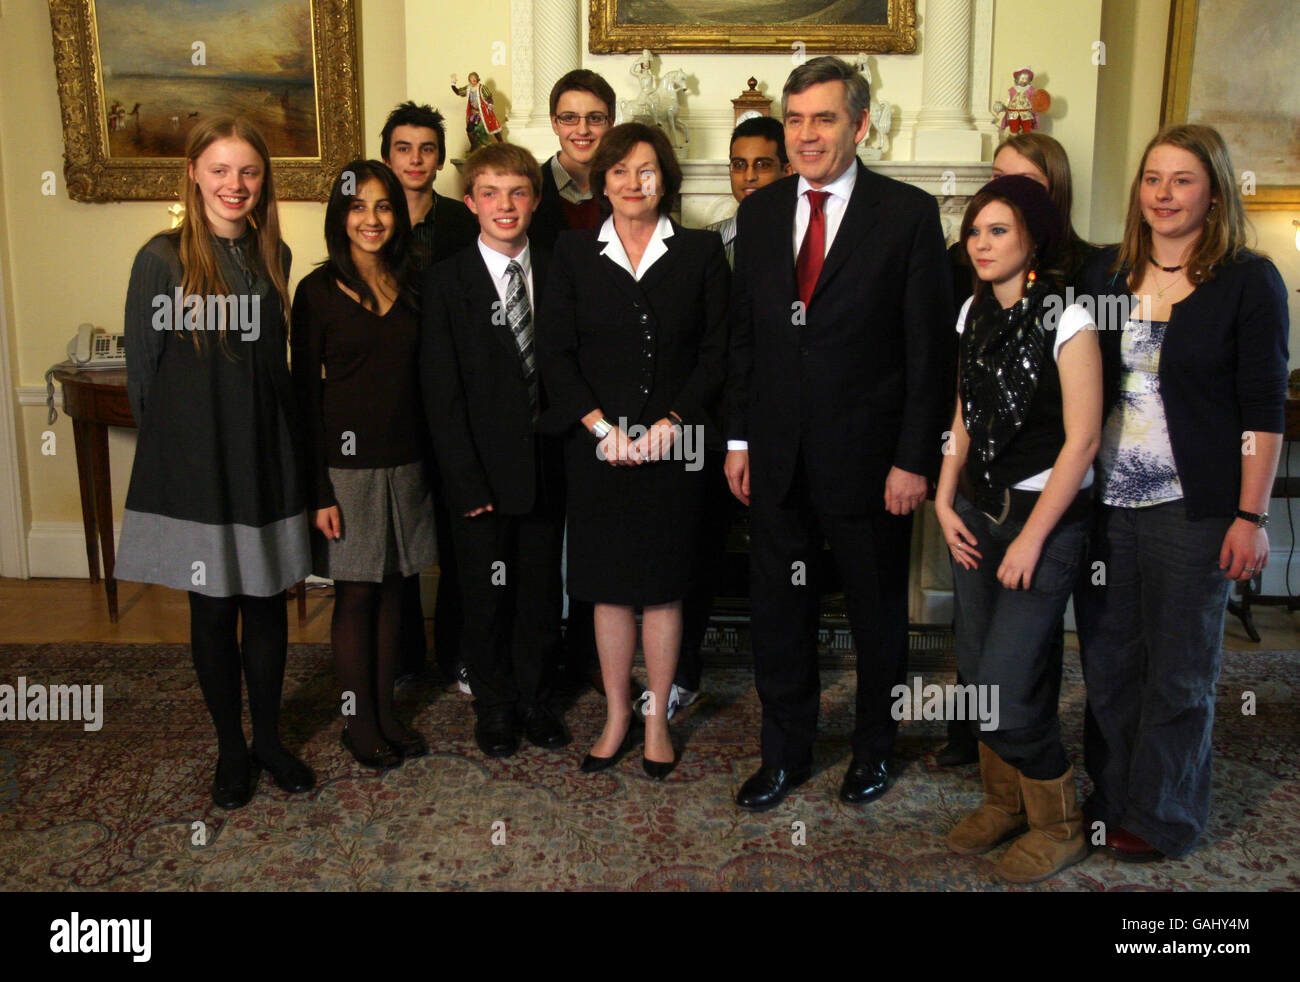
[[58, 549]]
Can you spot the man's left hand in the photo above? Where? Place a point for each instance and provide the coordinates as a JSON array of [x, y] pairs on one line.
[[904, 491]]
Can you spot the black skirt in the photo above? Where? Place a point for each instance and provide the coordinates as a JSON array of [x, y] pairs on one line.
[[632, 531]]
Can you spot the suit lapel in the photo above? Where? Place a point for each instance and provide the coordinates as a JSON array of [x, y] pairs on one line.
[[483, 301], [786, 205], [664, 264], [860, 216]]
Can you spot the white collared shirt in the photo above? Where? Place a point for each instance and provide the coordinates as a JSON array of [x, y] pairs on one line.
[[499, 262], [653, 250], [840, 190]]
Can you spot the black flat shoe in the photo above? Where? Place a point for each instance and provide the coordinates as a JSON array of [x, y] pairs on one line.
[[659, 769], [289, 773], [957, 753], [591, 764], [410, 745], [495, 733], [234, 783], [544, 729], [381, 759], [769, 786], [864, 781]]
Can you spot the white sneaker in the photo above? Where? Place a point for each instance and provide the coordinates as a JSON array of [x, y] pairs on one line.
[[678, 698]]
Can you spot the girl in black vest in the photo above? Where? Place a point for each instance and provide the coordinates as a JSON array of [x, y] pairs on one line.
[[1013, 501]]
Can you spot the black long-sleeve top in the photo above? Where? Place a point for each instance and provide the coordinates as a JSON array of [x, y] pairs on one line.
[[356, 377]]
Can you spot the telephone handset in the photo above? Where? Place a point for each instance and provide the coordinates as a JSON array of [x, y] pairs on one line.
[[93, 348]]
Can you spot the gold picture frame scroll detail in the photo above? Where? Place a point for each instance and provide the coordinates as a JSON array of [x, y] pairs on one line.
[[896, 35], [92, 174], [1175, 103]]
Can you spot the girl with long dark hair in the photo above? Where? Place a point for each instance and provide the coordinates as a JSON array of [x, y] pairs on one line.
[[355, 345]]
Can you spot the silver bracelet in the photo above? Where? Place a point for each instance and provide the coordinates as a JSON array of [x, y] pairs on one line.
[[600, 429]]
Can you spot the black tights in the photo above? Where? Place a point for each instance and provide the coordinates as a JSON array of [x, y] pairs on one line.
[[218, 651], [365, 631]]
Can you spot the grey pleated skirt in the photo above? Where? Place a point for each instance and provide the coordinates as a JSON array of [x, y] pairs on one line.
[[387, 517]]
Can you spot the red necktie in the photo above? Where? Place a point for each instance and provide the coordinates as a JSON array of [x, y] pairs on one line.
[[812, 251]]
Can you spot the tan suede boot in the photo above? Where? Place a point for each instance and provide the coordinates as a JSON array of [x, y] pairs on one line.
[[1055, 837], [1001, 816]]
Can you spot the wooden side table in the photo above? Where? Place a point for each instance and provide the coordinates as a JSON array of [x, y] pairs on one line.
[[94, 401]]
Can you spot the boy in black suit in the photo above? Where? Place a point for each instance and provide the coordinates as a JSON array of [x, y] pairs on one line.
[[502, 480]]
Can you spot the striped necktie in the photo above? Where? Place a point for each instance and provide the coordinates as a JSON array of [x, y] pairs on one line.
[[519, 313]]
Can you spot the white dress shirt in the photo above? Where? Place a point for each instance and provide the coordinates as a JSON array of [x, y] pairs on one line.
[[833, 208], [840, 189], [498, 263], [653, 250]]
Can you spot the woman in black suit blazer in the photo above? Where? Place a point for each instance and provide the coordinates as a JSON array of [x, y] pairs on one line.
[[632, 346], [1194, 361]]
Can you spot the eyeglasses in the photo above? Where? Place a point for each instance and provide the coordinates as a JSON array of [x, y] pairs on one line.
[[572, 119], [764, 165]]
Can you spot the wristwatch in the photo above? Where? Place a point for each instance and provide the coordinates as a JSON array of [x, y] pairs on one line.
[[1261, 519], [600, 429]]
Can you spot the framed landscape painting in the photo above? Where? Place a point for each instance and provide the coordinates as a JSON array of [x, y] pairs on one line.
[[135, 75], [752, 25], [1231, 66]]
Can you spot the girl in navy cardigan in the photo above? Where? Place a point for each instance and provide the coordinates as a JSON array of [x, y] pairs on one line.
[[1193, 334]]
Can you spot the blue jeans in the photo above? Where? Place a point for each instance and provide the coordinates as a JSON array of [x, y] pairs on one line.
[[1150, 639], [1005, 638]]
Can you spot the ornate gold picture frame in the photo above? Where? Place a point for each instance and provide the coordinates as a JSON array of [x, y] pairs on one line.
[[294, 74], [1246, 92], [765, 26]]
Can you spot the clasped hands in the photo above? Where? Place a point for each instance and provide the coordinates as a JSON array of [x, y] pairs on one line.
[[619, 450]]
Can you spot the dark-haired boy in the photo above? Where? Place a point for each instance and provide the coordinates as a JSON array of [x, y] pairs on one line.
[[502, 479], [413, 143], [758, 157]]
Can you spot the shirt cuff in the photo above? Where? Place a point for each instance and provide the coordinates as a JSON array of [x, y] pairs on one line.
[[737, 444]]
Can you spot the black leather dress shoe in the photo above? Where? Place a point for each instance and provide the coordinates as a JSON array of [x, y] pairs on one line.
[[234, 783], [544, 729], [495, 733], [769, 786], [659, 769], [864, 781], [289, 773], [409, 745], [591, 764]]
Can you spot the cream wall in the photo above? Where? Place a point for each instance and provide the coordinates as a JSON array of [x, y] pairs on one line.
[[66, 262]]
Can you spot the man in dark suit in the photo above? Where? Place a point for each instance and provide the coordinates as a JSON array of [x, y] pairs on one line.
[[502, 480], [413, 143], [841, 375]]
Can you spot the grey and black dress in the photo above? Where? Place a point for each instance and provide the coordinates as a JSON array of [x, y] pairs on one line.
[[215, 505], [356, 376]]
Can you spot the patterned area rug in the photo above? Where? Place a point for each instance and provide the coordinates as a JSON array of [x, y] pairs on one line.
[[118, 809]]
